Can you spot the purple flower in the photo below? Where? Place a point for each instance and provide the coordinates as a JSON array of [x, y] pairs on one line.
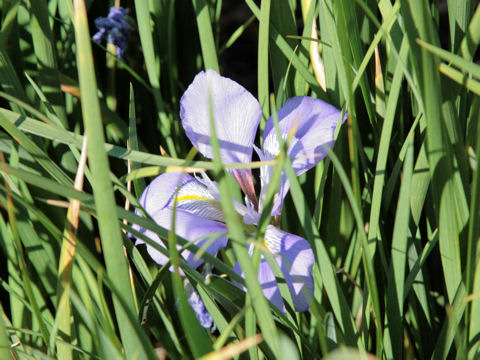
[[198, 307], [199, 214], [115, 28]]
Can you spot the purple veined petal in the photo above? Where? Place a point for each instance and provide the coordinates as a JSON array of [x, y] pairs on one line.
[[161, 191], [268, 282], [296, 262], [236, 112], [193, 196], [198, 307], [190, 227], [313, 122], [237, 115], [266, 172]]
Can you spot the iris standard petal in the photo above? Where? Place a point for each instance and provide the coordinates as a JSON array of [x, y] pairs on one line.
[[236, 112], [237, 115], [296, 261], [191, 228], [312, 122]]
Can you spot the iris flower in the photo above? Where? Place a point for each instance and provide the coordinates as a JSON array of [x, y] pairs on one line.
[[199, 217]]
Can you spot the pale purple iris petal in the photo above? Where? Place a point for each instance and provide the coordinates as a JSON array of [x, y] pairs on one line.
[[193, 196], [236, 112], [191, 228], [198, 306], [296, 262], [295, 259], [162, 190], [268, 282], [237, 115], [157, 195], [312, 123], [195, 215]]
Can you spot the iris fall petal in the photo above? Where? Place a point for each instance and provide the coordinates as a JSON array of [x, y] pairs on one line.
[[236, 112], [269, 284], [191, 228], [296, 262]]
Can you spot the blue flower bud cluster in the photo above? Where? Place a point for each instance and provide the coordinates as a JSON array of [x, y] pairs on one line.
[[115, 28]]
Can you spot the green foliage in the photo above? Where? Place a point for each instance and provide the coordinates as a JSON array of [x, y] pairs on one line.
[[392, 214]]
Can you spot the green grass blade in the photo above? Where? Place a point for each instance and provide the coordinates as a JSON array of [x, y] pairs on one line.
[[207, 42], [472, 270], [385, 138], [10, 81], [38, 154], [450, 326], [465, 65], [239, 245], [263, 60], [451, 210], [146, 38], [138, 184], [43, 44], [459, 77], [472, 38], [5, 352], [396, 276], [331, 284], [287, 51], [103, 193], [459, 13]]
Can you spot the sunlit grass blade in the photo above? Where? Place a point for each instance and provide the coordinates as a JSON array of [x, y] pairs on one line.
[[5, 352], [239, 245], [38, 154], [459, 77], [234, 349], [459, 13], [110, 234], [153, 70], [450, 326], [287, 50], [472, 37], [396, 276], [459, 62], [207, 42], [66, 137], [139, 184], [450, 201], [66, 262], [263, 61], [44, 47]]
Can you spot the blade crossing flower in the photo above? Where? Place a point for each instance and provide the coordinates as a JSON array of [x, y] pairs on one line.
[[199, 215]]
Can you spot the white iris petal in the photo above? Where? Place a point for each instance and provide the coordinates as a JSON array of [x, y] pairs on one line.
[[197, 199], [273, 239]]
